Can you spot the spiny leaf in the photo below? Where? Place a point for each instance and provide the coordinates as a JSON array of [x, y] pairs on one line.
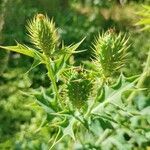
[[22, 49], [145, 17], [44, 101], [114, 96], [144, 21], [69, 129], [25, 50], [71, 49], [45, 107], [61, 62], [34, 64]]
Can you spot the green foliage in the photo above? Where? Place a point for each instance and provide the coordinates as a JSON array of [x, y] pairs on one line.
[[80, 110], [145, 17], [21, 49], [10, 99]]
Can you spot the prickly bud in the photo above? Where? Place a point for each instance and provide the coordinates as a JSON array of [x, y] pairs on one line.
[[43, 34], [110, 51], [79, 88]]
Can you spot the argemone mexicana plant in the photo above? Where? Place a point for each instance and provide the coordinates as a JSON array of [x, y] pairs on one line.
[[85, 108]]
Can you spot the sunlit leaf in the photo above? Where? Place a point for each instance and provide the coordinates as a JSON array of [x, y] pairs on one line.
[[25, 50], [114, 96]]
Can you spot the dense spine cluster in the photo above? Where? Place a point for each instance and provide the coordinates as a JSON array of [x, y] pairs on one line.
[[110, 52], [43, 34], [79, 88]]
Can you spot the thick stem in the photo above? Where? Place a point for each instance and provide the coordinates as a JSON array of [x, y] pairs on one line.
[[52, 78], [142, 78]]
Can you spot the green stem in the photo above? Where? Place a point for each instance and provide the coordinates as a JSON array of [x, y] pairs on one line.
[[52, 78], [142, 78]]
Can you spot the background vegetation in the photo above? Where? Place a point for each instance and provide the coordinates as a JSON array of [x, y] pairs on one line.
[[20, 116]]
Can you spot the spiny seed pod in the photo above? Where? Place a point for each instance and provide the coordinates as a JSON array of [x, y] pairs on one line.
[[79, 88], [43, 34], [110, 51]]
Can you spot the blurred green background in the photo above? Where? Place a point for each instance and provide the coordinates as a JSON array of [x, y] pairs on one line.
[[20, 117]]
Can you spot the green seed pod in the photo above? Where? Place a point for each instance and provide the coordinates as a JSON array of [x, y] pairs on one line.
[[79, 88], [110, 51], [43, 34]]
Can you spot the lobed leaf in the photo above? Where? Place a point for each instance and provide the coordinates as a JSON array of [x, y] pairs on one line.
[[25, 50]]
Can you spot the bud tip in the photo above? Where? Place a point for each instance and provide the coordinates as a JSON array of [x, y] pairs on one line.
[[40, 16]]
